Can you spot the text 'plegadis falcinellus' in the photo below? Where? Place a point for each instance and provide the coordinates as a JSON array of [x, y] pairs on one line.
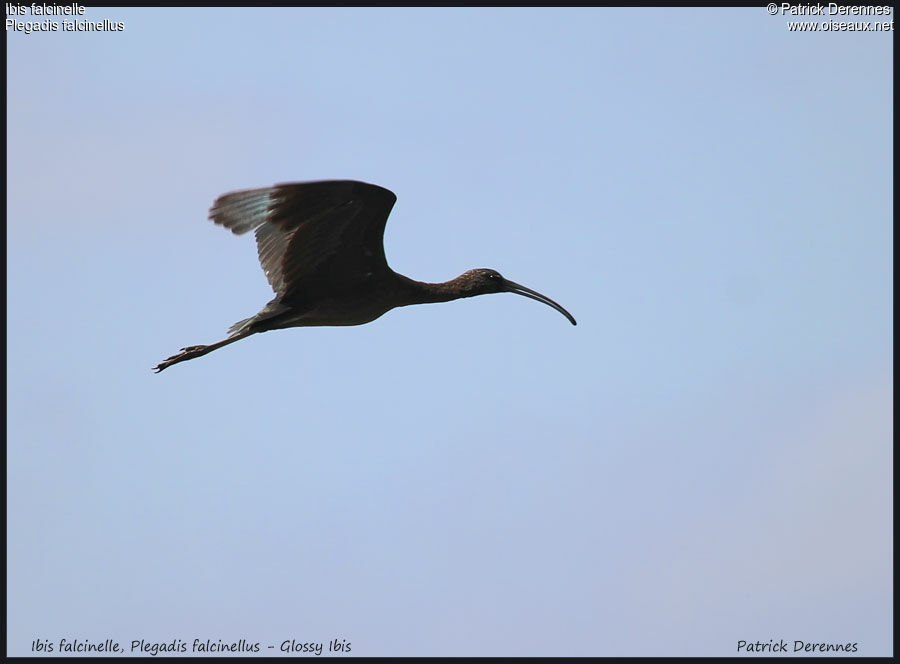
[[321, 247]]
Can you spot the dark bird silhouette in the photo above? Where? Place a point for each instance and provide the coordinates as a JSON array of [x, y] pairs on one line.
[[321, 247]]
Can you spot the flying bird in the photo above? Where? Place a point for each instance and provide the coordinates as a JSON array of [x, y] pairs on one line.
[[321, 246]]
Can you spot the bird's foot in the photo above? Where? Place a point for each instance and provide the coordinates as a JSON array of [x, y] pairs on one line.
[[162, 365], [185, 354]]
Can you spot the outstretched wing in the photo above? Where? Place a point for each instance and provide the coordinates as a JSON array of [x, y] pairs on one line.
[[313, 237]]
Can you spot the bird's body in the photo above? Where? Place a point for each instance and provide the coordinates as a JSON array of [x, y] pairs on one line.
[[321, 248]]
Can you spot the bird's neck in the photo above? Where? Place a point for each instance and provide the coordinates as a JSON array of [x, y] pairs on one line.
[[422, 292]]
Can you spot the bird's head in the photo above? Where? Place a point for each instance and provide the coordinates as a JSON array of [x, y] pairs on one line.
[[483, 280]]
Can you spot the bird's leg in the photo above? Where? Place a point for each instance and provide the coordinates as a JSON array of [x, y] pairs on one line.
[[191, 352], [188, 353]]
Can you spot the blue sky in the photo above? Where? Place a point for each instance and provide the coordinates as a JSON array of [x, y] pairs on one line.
[[706, 458]]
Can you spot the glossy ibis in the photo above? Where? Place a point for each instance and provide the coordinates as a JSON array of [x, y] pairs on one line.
[[321, 247]]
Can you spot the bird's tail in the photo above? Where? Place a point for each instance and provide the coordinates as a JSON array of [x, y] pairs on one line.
[[272, 310], [240, 326]]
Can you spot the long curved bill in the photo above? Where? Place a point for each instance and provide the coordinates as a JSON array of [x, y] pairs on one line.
[[519, 289]]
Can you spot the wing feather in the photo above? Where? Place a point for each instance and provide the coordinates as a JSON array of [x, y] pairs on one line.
[[312, 237]]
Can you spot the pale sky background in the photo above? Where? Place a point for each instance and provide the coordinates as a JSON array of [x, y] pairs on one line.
[[706, 458]]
